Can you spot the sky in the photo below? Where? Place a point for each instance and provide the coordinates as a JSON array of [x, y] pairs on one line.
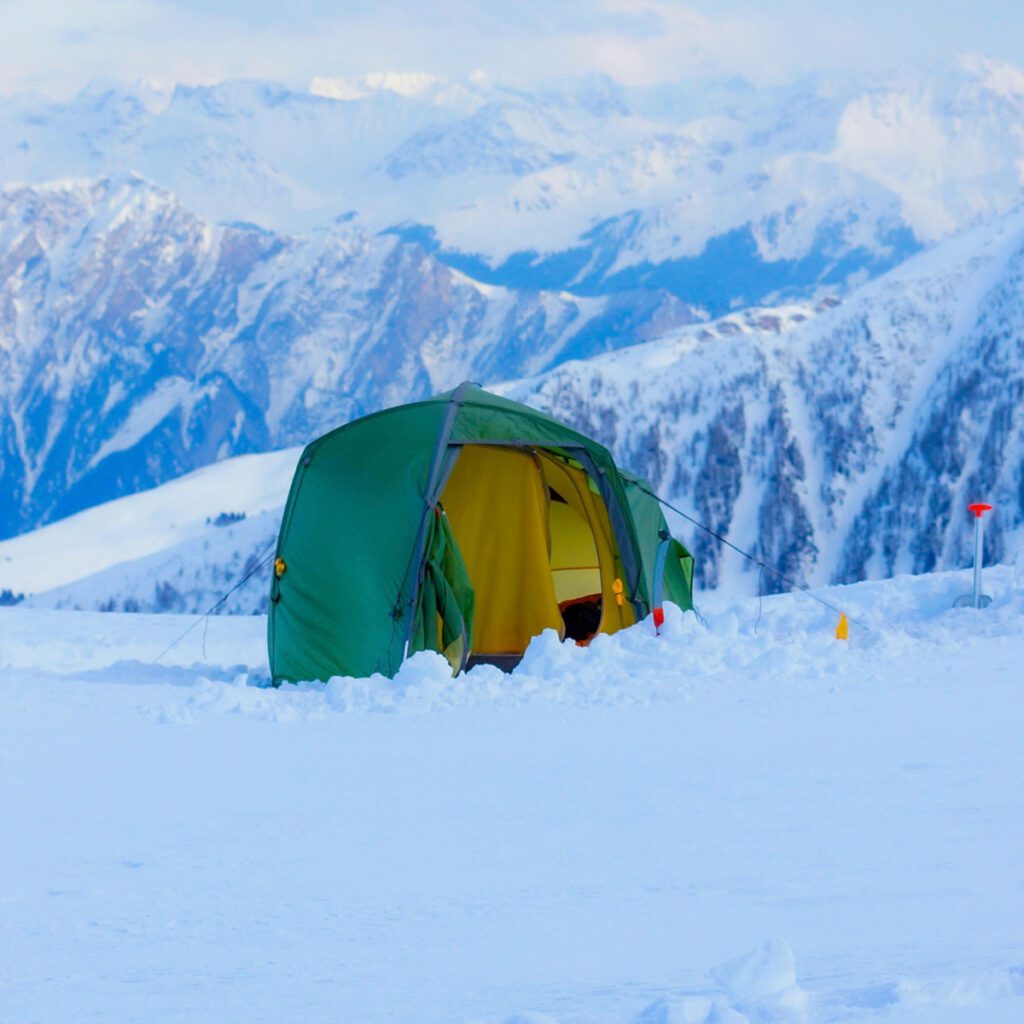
[[58, 46]]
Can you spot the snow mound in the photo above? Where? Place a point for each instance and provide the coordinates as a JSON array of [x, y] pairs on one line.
[[759, 986], [783, 645], [766, 971]]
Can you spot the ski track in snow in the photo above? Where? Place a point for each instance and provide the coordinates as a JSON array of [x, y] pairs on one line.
[[739, 823]]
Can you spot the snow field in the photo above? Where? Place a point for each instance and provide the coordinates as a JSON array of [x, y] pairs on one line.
[[721, 825], [142, 525]]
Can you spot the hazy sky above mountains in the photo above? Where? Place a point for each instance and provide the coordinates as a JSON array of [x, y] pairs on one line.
[[57, 47]]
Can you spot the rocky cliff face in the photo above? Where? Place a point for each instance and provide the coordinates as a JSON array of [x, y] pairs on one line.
[[138, 341], [966, 443]]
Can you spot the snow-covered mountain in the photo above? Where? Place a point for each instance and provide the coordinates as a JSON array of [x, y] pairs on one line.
[[148, 326], [837, 442], [723, 193], [138, 341], [846, 447], [173, 547]]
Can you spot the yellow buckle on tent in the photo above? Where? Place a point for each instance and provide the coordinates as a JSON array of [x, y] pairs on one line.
[[280, 567], [617, 589]]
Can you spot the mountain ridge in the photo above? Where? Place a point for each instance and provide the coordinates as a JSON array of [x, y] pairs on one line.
[[835, 442], [138, 341], [831, 171], [844, 448]]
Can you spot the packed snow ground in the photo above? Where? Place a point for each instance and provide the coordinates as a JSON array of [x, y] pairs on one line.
[[748, 821]]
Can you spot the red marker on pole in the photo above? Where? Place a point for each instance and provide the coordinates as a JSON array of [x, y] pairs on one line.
[[976, 599]]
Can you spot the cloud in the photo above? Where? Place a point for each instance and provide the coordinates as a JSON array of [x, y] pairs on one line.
[[58, 46], [669, 42]]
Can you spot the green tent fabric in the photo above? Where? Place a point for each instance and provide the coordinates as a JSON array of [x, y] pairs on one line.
[[650, 524], [368, 569], [444, 613]]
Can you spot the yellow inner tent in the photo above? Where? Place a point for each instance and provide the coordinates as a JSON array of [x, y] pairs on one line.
[[574, 562], [534, 536], [591, 526]]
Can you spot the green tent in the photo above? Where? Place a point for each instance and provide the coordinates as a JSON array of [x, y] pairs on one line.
[[466, 524]]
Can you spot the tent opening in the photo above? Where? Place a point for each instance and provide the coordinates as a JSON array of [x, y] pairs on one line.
[[575, 568], [537, 544]]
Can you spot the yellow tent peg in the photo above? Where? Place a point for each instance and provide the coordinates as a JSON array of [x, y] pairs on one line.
[[842, 627]]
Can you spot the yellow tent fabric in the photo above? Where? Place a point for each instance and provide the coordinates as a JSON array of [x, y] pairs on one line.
[[574, 561], [497, 505], [572, 483]]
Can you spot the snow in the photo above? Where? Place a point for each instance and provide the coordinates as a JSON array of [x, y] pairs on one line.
[[140, 525], [403, 83], [145, 417], [744, 822]]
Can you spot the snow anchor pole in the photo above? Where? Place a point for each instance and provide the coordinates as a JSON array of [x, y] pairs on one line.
[[976, 599]]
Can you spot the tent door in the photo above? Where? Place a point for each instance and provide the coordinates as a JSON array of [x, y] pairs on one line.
[[584, 560], [537, 544], [497, 505]]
